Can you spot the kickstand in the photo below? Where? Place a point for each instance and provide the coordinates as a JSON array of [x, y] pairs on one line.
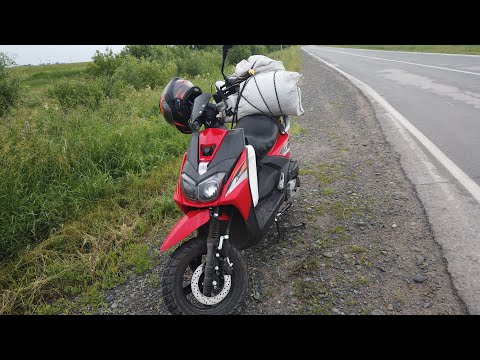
[[281, 233]]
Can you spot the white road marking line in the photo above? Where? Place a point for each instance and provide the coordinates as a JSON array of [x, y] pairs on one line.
[[456, 172], [411, 52], [403, 62]]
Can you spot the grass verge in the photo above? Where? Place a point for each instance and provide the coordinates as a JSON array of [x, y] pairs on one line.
[[446, 49]]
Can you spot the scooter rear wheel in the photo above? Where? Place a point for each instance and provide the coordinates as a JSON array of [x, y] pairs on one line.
[[183, 276]]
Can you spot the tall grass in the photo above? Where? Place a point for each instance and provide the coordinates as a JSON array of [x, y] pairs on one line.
[[43, 75], [54, 165], [85, 179]]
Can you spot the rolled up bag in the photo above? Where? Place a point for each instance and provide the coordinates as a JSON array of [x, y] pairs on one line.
[[273, 93]]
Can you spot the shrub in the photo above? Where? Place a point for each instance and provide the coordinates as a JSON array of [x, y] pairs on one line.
[[240, 52], [160, 53], [72, 93], [193, 63], [140, 72], [113, 88], [9, 85], [104, 64]]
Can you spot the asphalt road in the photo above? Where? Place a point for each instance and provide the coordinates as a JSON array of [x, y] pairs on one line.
[[439, 94]]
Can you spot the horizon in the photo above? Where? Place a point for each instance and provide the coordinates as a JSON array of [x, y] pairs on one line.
[[34, 55]]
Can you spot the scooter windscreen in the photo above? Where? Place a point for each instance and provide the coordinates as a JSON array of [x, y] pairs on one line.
[[199, 106]]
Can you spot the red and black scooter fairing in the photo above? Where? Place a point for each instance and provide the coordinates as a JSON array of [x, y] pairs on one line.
[[252, 187]]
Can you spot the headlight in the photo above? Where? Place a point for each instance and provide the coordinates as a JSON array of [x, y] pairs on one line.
[[189, 188], [208, 190]]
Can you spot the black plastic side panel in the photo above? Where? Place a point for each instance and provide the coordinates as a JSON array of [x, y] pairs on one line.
[[231, 147], [241, 235], [268, 172], [192, 153], [225, 166], [254, 233], [267, 180], [246, 234], [293, 170], [266, 210], [260, 219], [276, 162]]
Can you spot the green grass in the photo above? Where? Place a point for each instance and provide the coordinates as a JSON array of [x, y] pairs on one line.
[[54, 70], [327, 173], [358, 249], [327, 191], [296, 129], [290, 58], [362, 280], [311, 264], [315, 297], [447, 49], [306, 171], [337, 230], [41, 76], [399, 295], [83, 189], [80, 190], [347, 208], [53, 170]]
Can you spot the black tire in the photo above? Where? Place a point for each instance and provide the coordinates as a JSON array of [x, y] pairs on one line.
[[172, 282]]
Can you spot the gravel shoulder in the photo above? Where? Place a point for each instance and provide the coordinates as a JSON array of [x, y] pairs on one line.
[[367, 247]]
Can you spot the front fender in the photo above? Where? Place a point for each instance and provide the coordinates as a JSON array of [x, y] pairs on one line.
[[185, 226]]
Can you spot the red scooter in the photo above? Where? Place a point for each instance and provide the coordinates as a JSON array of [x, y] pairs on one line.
[[233, 185]]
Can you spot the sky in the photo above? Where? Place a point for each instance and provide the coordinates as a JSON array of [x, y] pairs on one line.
[[38, 54]]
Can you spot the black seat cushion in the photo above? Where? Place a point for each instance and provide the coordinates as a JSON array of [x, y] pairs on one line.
[[260, 131]]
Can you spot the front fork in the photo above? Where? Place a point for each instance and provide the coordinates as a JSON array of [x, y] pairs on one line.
[[214, 263]]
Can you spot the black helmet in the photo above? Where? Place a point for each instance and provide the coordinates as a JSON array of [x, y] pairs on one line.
[[176, 103]]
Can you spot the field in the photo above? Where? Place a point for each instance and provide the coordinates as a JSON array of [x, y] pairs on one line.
[[446, 49], [87, 172]]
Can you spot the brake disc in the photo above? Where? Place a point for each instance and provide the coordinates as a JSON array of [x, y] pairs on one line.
[[209, 300]]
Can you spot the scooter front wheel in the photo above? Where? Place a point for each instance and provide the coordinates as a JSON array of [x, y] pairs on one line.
[[182, 282]]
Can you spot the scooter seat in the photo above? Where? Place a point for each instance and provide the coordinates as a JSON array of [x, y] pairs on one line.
[[260, 131]]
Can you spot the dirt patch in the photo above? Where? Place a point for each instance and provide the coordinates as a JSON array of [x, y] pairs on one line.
[[367, 247]]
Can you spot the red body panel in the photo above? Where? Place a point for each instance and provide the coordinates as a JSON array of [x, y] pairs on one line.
[[185, 226], [210, 137], [279, 144], [177, 195], [241, 197]]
